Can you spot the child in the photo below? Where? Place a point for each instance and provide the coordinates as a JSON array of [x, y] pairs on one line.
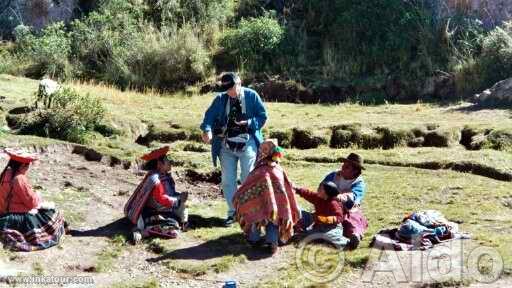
[[328, 214]]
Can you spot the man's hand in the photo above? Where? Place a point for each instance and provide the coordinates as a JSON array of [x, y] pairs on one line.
[[343, 197], [207, 137]]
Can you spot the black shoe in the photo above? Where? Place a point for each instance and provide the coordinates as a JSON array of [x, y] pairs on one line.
[[354, 242], [257, 244], [229, 222]]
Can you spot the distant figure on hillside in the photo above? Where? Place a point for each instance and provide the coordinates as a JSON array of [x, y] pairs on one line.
[[26, 222], [232, 124], [266, 200], [155, 208]]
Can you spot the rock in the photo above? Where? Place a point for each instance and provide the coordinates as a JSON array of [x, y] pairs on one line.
[[500, 93]]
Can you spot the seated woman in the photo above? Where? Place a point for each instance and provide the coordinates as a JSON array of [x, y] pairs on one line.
[[155, 208], [26, 223], [351, 185], [327, 219], [266, 200]]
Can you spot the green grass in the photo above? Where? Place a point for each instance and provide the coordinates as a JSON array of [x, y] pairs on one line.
[[131, 112], [152, 283], [217, 265], [107, 257], [72, 202], [38, 268], [392, 191]]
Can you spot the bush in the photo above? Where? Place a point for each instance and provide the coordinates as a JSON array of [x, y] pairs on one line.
[[284, 138], [341, 138], [305, 139], [168, 60], [70, 116], [499, 140], [496, 59], [102, 42], [254, 43], [11, 64], [178, 13], [116, 46], [48, 51]]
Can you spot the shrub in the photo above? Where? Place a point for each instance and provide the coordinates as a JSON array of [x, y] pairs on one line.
[[284, 137], [341, 138], [499, 140], [254, 42], [168, 60], [496, 59], [305, 139], [102, 42], [48, 51], [179, 13], [118, 47], [70, 116]]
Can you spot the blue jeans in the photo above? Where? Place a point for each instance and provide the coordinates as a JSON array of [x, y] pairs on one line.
[[271, 234], [229, 166], [332, 233]]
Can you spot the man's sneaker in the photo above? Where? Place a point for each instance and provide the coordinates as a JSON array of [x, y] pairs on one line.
[[354, 242], [229, 221]]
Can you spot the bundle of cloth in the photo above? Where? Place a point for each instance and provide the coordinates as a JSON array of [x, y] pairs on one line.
[[418, 231]]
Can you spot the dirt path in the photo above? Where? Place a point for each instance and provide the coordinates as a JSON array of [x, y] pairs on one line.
[[92, 196]]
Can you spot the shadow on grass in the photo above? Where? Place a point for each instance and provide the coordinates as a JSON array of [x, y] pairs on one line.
[[475, 107], [119, 227], [228, 245], [198, 221], [123, 227]]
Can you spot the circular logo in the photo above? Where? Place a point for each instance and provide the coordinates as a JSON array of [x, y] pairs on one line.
[[319, 263]]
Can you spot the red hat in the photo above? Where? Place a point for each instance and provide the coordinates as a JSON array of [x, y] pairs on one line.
[[155, 154], [21, 156]]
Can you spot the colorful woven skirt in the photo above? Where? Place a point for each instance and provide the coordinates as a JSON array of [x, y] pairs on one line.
[[161, 224], [30, 232]]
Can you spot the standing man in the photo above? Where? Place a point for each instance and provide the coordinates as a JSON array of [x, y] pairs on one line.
[[232, 124]]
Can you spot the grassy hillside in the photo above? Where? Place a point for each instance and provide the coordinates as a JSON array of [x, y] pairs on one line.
[[480, 204]]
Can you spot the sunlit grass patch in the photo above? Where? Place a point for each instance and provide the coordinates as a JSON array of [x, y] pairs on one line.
[[107, 257]]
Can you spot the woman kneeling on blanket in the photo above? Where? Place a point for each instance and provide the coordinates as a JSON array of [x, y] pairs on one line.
[[266, 200], [155, 208], [26, 223]]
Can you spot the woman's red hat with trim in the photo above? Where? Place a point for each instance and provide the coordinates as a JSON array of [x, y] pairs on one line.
[[21, 156], [155, 154]]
